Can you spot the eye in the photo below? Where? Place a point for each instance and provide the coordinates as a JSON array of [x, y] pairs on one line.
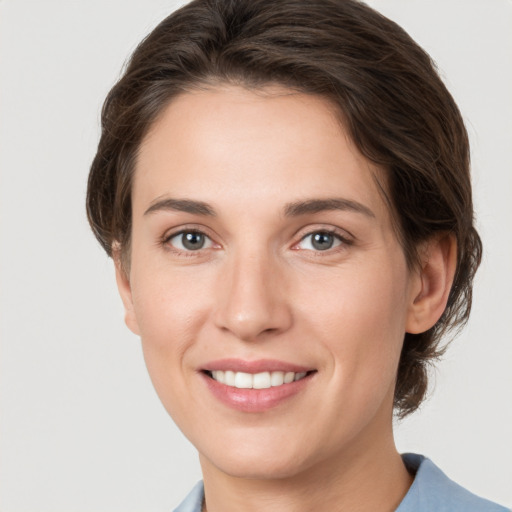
[[320, 241], [189, 241]]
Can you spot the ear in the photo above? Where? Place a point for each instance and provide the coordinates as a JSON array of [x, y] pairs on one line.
[[433, 283], [125, 291]]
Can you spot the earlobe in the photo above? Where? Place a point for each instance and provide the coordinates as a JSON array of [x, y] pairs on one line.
[[125, 291], [434, 280]]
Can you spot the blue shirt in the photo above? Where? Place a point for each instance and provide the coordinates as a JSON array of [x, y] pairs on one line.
[[431, 491]]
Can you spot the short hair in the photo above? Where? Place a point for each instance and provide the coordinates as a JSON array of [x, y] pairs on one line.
[[391, 101]]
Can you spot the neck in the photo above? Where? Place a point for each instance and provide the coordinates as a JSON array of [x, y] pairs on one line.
[[357, 480]]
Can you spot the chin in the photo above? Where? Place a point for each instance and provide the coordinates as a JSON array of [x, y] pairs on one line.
[[264, 459], [266, 469]]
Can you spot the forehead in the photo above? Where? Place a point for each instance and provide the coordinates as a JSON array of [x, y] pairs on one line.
[[244, 145]]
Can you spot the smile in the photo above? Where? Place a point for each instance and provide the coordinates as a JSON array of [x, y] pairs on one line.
[[262, 380], [256, 386]]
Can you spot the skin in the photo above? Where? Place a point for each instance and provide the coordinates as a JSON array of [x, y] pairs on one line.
[[259, 289]]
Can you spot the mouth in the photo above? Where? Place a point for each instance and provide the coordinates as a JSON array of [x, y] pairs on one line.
[[256, 386], [261, 380]]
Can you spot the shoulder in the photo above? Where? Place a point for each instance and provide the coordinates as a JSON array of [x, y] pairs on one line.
[[433, 490], [194, 501]]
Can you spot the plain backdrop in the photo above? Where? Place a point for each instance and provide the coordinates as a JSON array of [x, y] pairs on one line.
[[81, 427]]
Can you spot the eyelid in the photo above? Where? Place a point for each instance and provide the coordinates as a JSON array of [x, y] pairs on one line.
[[343, 236], [177, 236], [180, 230], [171, 234]]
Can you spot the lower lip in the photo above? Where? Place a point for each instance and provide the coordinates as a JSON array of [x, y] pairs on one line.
[[255, 400]]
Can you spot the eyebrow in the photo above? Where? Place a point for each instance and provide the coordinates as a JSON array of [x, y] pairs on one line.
[[320, 205], [181, 205], [294, 209]]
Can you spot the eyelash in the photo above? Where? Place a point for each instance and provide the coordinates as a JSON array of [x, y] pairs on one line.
[[344, 241], [187, 253]]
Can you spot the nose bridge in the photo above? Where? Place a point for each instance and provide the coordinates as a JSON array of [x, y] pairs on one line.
[[252, 301]]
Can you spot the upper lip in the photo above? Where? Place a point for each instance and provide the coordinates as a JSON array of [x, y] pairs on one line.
[[257, 366]]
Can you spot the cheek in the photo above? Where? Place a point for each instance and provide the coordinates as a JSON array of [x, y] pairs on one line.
[[369, 299], [167, 314], [169, 303], [379, 305], [361, 328], [171, 307], [360, 314]]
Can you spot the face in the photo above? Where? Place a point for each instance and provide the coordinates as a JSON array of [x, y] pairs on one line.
[[266, 281]]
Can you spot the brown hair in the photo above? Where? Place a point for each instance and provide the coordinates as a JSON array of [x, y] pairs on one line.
[[393, 103]]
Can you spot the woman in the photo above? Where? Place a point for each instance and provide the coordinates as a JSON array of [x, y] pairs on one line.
[[284, 188]]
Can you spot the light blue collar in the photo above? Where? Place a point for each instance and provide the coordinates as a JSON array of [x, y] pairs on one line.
[[431, 491]]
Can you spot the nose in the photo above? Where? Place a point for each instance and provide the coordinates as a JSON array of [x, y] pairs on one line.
[[252, 302]]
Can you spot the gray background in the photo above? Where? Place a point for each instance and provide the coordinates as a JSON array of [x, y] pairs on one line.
[[81, 427]]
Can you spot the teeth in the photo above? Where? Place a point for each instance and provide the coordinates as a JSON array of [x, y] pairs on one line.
[[243, 380], [229, 378], [261, 380], [277, 378], [288, 377]]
